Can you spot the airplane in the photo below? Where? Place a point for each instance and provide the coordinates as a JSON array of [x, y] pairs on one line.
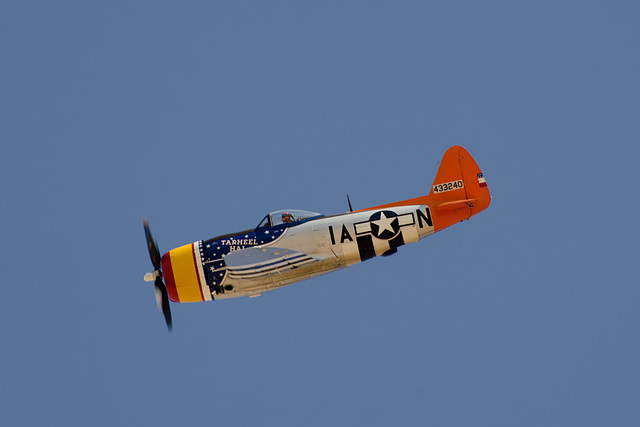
[[292, 245]]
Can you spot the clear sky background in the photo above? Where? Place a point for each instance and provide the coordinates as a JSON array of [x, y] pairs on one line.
[[204, 116]]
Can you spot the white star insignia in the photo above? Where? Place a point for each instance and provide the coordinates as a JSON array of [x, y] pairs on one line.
[[384, 223]]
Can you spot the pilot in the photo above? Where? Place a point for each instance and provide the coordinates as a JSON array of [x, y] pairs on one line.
[[286, 217]]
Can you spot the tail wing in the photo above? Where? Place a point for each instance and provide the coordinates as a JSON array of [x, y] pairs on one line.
[[459, 190]]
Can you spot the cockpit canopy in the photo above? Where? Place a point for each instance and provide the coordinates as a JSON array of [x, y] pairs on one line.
[[287, 216]]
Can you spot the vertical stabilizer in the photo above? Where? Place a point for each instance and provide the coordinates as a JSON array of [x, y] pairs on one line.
[[459, 190]]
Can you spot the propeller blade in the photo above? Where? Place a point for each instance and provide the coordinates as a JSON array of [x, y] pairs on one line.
[[152, 246], [162, 299]]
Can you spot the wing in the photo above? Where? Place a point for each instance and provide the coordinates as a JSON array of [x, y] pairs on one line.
[[251, 263]]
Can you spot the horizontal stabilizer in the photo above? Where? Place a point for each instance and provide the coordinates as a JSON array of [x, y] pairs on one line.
[[459, 203], [251, 263]]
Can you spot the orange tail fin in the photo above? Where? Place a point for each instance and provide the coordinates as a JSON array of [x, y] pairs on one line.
[[459, 190]]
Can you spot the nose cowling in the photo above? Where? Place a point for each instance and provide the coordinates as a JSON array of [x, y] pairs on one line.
[[182, 274]]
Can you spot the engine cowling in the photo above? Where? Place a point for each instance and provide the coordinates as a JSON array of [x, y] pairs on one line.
[[183, 274]]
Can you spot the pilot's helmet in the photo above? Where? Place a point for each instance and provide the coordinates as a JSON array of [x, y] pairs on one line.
[[286, 217]]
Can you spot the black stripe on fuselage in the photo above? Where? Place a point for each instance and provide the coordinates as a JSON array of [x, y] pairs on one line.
[[365, 247]]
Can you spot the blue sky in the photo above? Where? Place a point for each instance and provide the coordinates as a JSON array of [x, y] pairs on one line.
[[204, 116]]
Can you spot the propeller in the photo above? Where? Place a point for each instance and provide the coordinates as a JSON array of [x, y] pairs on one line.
[[162, 297]]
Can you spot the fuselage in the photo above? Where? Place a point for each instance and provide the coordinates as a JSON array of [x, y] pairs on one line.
[[329, 243]]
